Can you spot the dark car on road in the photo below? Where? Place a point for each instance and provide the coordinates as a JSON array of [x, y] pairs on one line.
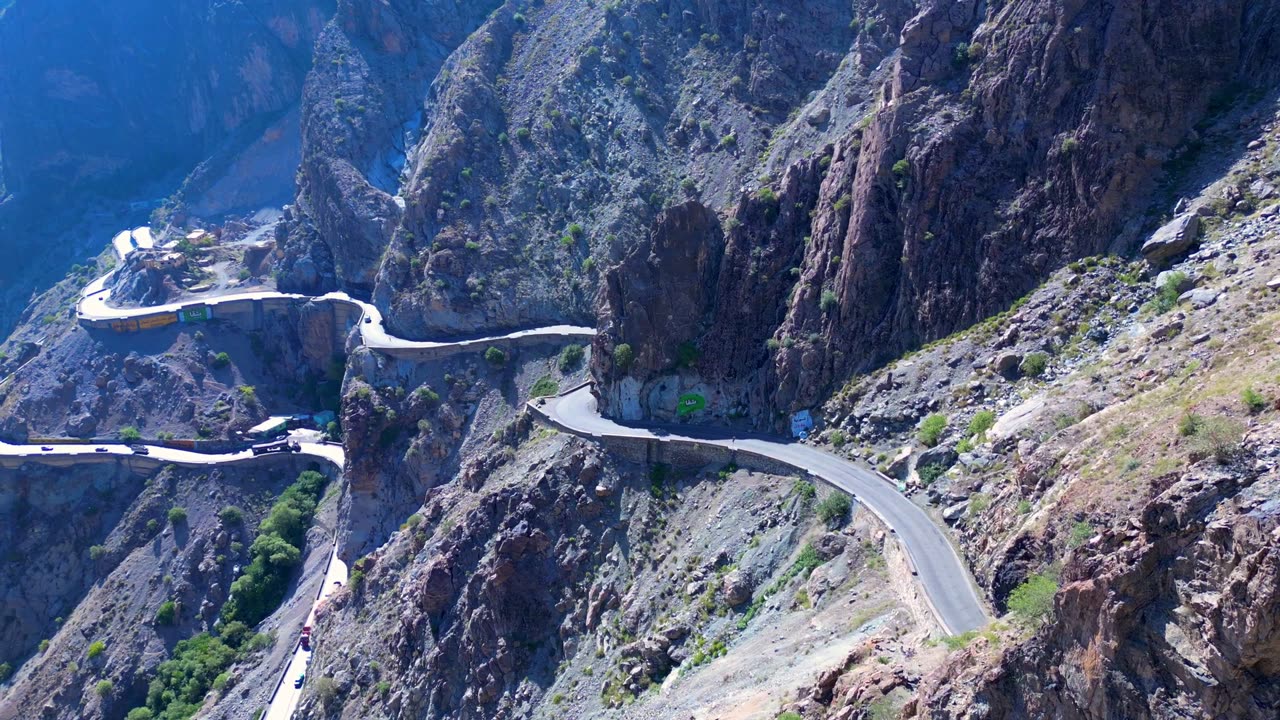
[[101, 449], [301, 679]]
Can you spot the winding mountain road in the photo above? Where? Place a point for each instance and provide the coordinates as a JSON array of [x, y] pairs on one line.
[[947, 583], [95, 305], [948, 587]]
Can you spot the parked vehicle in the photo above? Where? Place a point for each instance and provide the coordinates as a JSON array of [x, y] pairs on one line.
[[301, 679], [101, 449], [306, 637], [140, 449], [276, 446], [46, 448]]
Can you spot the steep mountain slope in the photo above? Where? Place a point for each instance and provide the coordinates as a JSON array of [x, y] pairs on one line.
[[1009, 139], [919, 221], [551, 139], [112, 552], [95, 96], [104, 108]]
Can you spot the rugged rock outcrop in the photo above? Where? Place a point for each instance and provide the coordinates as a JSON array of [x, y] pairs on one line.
[[697, 303], [548, 146], [971, 183], [1170, 617], [362, 106], [109, 557], [148, 277], [968, 184]]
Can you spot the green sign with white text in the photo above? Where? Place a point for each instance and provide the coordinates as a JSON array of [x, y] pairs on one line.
[[690, 402], [196, 314]]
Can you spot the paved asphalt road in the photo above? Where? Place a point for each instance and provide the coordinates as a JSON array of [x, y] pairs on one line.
[[285, 701], [322, 451], [95, 304], [945, 579]]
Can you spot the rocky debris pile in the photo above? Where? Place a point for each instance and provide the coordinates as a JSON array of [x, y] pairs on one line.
[[149, 277]]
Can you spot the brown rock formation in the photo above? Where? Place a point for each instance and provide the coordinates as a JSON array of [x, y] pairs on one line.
[[1173, 617]]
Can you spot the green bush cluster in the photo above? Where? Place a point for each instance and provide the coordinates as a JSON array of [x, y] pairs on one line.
[[428, 395], [623, 356], [1034, 364], [931, 429], [828, 301], [834, 509], [197, 665], [1080, 534], [129, 433], [982, 421], [545, 386], [275, 552], [1216, 437], [167, 613], [930, 472], [1254, 402], [1167, 296], [1032, 601], [570, 357], [804, 489], [1190, 424]]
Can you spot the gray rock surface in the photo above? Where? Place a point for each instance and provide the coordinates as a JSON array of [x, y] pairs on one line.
[[1172, 239]]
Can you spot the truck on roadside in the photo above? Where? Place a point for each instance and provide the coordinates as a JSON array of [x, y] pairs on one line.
[[277, 446]]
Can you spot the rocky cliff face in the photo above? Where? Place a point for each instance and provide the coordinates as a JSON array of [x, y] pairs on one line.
[[362, 110], [1170, 617], [545, 148], [1008, 139]]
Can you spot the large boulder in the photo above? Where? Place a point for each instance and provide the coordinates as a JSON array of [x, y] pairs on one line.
[[1173, 239], [735, 588], [943, 455]]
